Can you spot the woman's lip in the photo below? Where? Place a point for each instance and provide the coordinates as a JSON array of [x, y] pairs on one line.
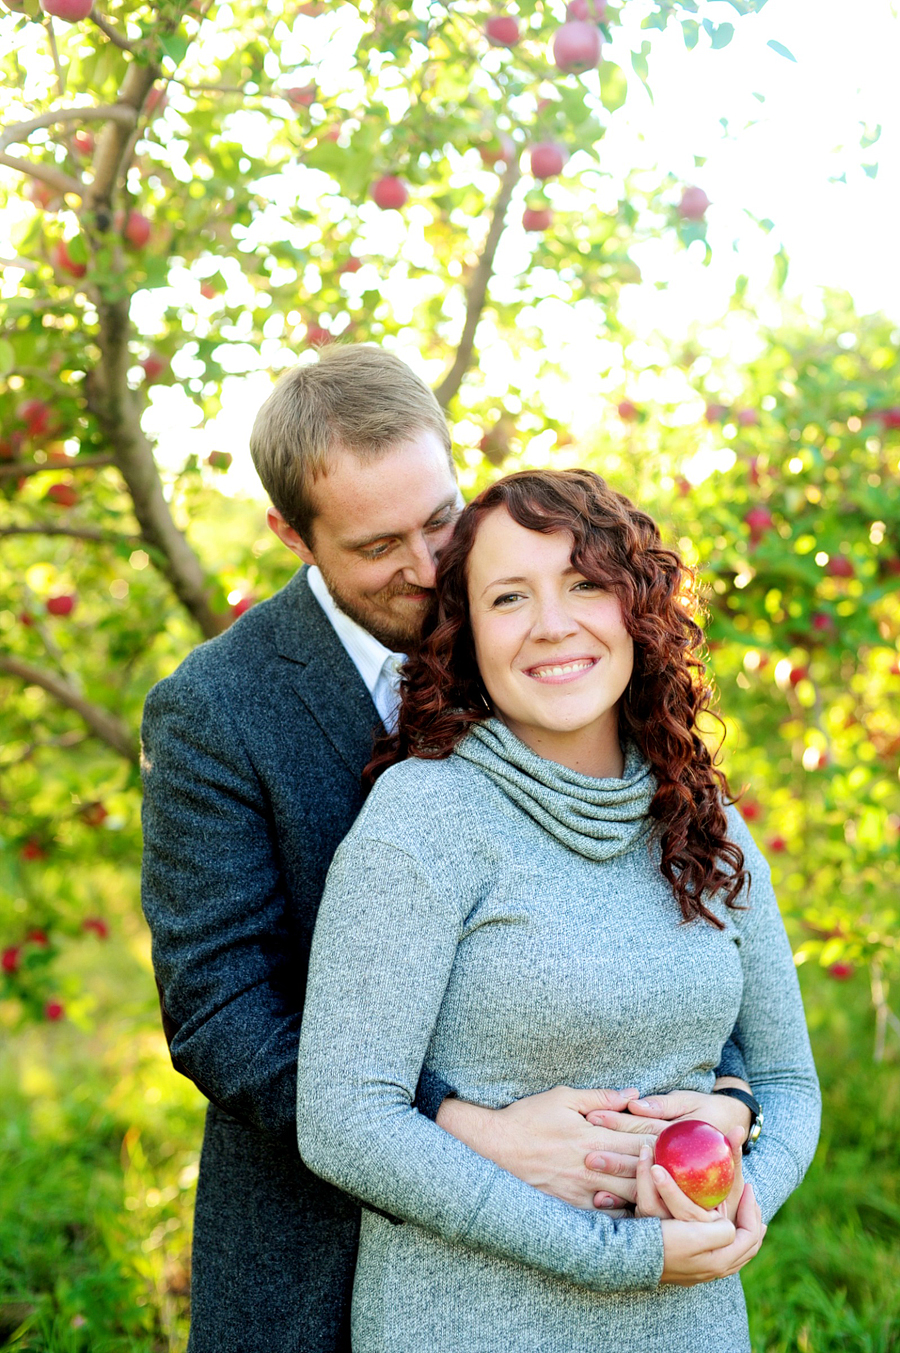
[[549, 673]]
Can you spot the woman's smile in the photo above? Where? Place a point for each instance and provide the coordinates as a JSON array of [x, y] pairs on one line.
[[562, 670]]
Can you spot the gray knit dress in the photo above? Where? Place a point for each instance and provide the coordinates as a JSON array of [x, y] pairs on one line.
[[503, 920]]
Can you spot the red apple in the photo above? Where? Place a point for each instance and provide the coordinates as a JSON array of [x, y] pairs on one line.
[[889, 418], [537, 218], [38, 937], [64, 495], [317, 336], [83, 143], [841, 971], [751, 810], [628, 412], [9, 959], [32, 850], [715, 413], [155, 101], [219, 460], [502, 31], [501, 149], [26, 620], [699, 1159], [798, 674], [208, 291], [62, 604], [390, 193], [822, 622], [241, 605], [759, 520], [70, 10], [351, 264], [777, 845], [586, 9], [748, 418], [93, 814], [138, 229], [42, 195], [301, 96], [154, 366], [576, 46], [54, 1010], [547, 160], [35, 414], [62, 259], [97, 926], [839, 566], [693, 204]]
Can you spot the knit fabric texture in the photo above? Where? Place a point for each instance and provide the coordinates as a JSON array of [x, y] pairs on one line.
[[504, 922]]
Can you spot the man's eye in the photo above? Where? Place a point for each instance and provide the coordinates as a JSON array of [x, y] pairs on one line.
[[440, 522], [375, 551]]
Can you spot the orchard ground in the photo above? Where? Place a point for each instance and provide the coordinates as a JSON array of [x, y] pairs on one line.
[[99, 1155]]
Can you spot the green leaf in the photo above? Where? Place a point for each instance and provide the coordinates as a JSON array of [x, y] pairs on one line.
[[871, 170], [175, 46], [7, 357], [613, 86], [719, 34], [691, 32], [781, 49]]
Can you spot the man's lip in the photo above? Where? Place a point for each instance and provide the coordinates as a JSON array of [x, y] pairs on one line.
[[551, 678]]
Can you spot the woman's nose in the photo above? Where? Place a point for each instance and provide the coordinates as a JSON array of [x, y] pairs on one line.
[[553, 623]]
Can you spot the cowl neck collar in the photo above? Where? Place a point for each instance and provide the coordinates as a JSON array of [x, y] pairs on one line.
[[596, 818]]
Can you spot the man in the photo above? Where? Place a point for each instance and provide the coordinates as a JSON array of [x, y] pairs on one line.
[[252, 757]]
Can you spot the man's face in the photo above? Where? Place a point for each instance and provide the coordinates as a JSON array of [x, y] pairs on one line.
[[378, 529]]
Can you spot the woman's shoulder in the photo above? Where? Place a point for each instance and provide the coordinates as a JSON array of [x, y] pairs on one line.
[[430, 796]]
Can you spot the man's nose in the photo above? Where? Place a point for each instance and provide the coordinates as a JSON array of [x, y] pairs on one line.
[[419, 568]]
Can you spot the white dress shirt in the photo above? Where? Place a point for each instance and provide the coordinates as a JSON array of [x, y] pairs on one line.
[[378, 666]]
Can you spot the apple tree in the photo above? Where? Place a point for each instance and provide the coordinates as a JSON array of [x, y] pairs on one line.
[[197, 191]]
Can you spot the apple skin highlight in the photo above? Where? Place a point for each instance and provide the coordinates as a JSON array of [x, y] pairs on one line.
[[699, 1159]]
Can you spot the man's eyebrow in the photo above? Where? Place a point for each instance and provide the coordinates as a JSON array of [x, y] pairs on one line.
[[390, 535]]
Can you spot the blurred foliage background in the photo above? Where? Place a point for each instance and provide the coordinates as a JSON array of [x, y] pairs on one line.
[[198, 195]]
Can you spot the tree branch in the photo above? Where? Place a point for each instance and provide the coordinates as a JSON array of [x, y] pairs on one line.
[[112, 144], [103, 112], [48, 528], [477, 288], [118, 414], [62, 183], [105, 27], [101, 723], [20, 469]]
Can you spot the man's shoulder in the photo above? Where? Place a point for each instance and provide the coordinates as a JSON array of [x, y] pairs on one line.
[[247, 650]]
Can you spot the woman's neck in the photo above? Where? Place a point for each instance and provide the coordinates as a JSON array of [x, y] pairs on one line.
[[594, 751]]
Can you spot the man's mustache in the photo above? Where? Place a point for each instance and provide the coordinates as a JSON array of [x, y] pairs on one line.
[[405, 590]]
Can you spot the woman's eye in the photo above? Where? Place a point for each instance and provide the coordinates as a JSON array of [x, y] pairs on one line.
[[506, 599], [584, 585]]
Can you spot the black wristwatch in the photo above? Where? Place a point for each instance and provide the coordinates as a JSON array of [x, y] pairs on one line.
[[756, 1114]]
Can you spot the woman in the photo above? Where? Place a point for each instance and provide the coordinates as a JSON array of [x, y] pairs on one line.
[[548, 889]]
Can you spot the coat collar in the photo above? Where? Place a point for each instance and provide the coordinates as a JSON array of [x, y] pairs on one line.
[[323, 674]]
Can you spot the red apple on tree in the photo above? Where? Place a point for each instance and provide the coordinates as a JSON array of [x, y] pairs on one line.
[[9, 959], [889, 418], [576, 46], [138, 229], [93, 814], [693, 204], [748, 418], [390, 193], [839, 566], [64, 495], [628, 412], [219, 460], [547, 160], [42, 195], [35, 414], [759, 520], [797, 674], [715, 413], [72, 11], [586, 9], [61, 604], [699, 1159], [54, 1010], [38, 937], [537, 218], [351, 264], [83, 143], [62, 259], [317, 336], [154, 366], [208, 291], [242, 604], [841, 972], [32, 850], [502, 30], [97, 926], [301, 96]]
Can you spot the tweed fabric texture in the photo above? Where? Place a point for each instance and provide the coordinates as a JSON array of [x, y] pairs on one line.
[[460, 928]]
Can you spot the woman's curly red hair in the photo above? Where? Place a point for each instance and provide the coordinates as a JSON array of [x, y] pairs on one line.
[[619, 547]]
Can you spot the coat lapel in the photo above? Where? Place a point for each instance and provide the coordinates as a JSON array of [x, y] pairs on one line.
[[323, 675]]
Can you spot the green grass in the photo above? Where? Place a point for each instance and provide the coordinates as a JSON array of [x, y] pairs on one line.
[[98, 1154]]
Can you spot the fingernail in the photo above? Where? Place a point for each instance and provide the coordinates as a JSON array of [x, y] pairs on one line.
[[645, 1153], [606, 1201], [646, 1103], [599, 1163]]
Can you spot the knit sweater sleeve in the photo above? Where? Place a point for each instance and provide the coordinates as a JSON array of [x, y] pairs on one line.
[[384, 944], [772, 1033]]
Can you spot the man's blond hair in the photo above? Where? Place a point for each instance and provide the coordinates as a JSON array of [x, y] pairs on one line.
[[360, 398]]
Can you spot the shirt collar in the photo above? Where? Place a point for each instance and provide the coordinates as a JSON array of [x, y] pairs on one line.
[[367, 653]]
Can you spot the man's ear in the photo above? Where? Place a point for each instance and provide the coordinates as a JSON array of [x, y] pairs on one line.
[[288, 536]]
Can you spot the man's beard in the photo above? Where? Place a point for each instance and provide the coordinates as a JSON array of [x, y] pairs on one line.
[[387, 629]]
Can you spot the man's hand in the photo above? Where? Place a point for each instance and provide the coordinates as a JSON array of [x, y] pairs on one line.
[[545, 1138], [659, 1196]]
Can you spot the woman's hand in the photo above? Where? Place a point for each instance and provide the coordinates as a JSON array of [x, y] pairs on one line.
[[648, 1117], [659, 1196], [698, 1252]]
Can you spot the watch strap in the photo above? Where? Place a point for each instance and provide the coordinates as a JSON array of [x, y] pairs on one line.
[[756, 1113]]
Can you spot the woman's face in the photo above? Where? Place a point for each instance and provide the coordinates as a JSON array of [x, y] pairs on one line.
[[552, 648]]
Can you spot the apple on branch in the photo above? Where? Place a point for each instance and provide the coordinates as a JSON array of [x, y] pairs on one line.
[[502, 30], [576, 47], [390, 193], [537, 218], [699, 1159], [547, 159], [72, 11], [693, 204]]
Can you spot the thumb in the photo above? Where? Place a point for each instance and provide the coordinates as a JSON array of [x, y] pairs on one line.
[[661, 1106], [715, 1235], [589, 1101]]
